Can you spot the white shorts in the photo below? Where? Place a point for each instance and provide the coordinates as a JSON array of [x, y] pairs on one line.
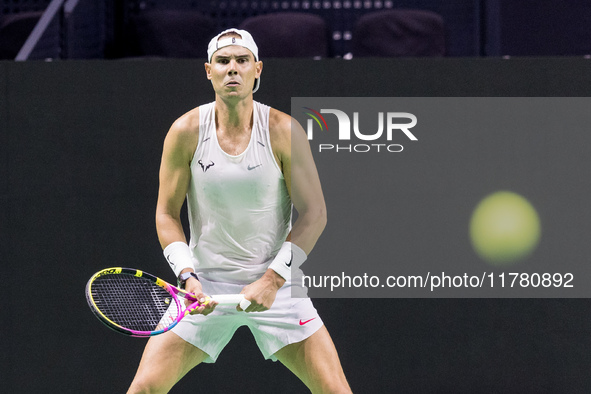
[[289, 320]]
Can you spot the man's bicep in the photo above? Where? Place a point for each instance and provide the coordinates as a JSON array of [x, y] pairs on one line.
[[174, 176], [306, 191]]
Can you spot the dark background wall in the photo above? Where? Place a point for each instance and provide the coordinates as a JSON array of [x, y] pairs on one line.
[[80, 146]]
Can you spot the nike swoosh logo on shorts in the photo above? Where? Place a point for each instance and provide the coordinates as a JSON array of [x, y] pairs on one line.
[[307, 321]]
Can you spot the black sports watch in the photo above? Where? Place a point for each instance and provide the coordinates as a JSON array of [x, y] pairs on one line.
[[182, 279]]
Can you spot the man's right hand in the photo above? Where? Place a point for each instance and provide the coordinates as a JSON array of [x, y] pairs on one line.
[[193, 286]]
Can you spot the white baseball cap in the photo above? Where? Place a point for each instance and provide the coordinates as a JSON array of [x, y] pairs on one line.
[[245, 41]]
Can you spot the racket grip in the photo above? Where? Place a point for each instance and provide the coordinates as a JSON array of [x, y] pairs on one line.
[[231, 299]]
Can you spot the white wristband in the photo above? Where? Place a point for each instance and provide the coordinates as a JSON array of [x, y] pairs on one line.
[[290, 257], [179, 257]]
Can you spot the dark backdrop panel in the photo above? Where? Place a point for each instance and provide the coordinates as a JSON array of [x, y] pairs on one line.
[[80, 153], [6, 310]]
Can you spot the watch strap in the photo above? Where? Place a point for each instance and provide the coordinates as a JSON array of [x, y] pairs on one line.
[[182, 279]]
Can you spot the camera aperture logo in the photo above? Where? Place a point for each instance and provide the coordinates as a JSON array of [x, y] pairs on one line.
[[390, 124]]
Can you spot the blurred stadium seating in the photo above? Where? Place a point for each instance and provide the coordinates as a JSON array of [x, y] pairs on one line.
[[72, 29]]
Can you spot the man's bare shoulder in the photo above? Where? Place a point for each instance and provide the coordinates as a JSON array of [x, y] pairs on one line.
[[187, 125], [279, 122], [183, 135], [281, 127]]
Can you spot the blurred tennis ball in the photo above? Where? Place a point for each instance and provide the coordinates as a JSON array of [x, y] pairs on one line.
[[504, 228]]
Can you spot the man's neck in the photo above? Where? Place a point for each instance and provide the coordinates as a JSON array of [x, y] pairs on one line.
[[233, 117]]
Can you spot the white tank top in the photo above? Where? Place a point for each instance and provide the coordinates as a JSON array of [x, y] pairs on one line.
[[239, 206]]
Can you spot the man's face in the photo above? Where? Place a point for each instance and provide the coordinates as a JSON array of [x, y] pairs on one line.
[[232, 71]]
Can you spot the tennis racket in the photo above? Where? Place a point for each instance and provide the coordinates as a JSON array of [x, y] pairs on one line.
[[136, 303]]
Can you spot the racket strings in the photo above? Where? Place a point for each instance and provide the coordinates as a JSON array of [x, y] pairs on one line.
[[134, 303]]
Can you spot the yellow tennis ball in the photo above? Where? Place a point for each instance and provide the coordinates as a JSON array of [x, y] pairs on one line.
[[504, 228]]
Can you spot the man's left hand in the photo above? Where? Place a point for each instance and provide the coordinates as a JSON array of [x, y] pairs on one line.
[[262, 292]]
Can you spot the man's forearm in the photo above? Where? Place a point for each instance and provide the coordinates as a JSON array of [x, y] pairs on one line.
[[169, 229], [308, 228]]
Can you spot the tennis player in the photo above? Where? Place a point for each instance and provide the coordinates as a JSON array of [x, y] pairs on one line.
[[240, 165]]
